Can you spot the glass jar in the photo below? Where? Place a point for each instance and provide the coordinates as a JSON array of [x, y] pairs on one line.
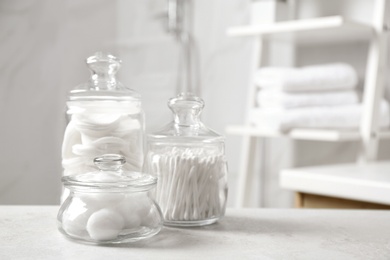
[[109, 205], [189, 162], [104, 117]]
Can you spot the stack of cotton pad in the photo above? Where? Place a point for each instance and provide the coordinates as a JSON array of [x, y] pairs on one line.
[[93, 133]]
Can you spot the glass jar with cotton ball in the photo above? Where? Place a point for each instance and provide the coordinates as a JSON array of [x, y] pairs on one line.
[[109, 205], [189, 162], [104, 117]]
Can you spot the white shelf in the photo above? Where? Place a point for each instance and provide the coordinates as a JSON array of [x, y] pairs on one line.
[[365, 182], [301, 134], [308, 31]]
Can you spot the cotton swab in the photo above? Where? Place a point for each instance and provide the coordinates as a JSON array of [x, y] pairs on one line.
[[190, 183]]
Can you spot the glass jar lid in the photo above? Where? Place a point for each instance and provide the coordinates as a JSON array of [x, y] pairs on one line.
[[110, 177], [103, 84], [186, 125]]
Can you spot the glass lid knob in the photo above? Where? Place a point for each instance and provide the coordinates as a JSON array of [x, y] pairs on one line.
[[186, 108], [103, 68], [110, 162]]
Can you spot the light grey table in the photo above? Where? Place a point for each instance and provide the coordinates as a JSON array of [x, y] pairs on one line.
[[30, 232]]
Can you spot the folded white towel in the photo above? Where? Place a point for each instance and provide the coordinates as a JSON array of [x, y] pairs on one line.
[[333, 117], [273, 98], [334, 76]]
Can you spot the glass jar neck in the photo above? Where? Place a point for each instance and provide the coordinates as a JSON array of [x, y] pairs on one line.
[[187, 118], [103, 80]]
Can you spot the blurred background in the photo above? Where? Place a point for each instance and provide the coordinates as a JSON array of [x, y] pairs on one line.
[[44, 43]]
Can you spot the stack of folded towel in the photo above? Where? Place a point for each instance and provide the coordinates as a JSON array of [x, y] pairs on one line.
[[320, 96]]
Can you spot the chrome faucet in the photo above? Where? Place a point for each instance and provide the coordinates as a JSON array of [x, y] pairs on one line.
[[175, 16], [179, 15]]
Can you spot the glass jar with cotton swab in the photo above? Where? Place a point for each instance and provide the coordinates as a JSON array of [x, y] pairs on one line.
[[189, 161], [105, 117]]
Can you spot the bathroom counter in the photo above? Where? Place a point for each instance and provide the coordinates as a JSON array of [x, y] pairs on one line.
[[30, 232]]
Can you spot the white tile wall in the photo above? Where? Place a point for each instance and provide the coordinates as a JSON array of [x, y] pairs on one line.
[[42, 47], [43, 44]]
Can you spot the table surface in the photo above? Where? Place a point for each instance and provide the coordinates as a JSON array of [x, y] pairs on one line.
[[30, 232]]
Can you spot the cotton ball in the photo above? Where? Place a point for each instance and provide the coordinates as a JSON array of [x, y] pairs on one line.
[[105, 224], [128, 210], [101, 200], [75, 218], [76, 226], [133, 208]]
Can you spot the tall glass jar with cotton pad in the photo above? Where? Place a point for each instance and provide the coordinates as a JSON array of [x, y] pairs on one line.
[[189, 162], [105, 117]]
